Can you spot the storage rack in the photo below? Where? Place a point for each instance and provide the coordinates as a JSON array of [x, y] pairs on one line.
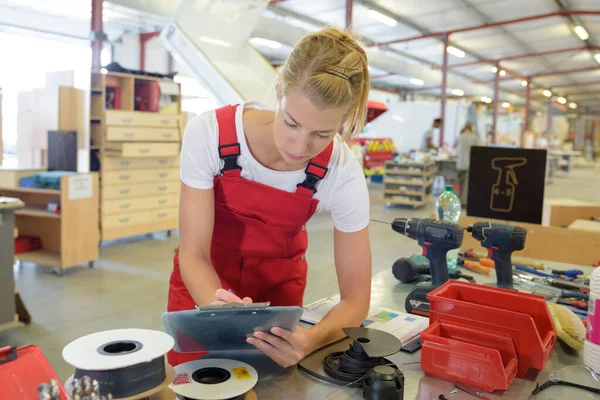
[[68, 238], [408, 182], [136, 153]]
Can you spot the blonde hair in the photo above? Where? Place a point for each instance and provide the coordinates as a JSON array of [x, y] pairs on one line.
[[331, 67]]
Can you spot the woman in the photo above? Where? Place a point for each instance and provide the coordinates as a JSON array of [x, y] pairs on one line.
[[251, 179]]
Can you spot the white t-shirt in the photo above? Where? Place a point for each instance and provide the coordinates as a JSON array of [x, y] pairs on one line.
[[343, 192]]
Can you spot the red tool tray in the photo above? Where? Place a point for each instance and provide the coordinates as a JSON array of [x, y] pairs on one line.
[[23, 370], [474, 357], [525, 317]]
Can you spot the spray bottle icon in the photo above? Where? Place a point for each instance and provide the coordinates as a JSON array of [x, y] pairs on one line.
[[503, 191]]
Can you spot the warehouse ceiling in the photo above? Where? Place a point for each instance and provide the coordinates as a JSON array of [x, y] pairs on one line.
[[409, 65]]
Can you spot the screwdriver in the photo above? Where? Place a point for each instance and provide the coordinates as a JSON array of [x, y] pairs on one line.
[[474, 266]]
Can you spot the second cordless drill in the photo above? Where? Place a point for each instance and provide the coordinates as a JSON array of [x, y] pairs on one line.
[[500, 240], [436, 238]]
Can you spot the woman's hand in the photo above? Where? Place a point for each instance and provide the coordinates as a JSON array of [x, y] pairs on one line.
[[224, 296], [284, 347]]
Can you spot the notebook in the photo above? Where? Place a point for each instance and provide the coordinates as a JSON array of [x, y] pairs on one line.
[[402, 325]]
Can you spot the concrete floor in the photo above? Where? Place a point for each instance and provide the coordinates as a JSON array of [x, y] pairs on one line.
[[128, 286]]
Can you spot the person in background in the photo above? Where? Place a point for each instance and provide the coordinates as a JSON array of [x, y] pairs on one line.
[[427, 143], [465, 141]]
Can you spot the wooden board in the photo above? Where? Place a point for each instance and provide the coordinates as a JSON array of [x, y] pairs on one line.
[[563, 213], [71, 112], [585, 225], [141, 229], [45, 258], [79, 225], [547, 242]]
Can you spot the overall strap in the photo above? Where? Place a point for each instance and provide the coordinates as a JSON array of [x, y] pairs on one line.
[[229, 147], [315, 171]]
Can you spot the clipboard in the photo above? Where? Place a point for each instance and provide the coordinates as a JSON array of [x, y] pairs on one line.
[[224, 328]]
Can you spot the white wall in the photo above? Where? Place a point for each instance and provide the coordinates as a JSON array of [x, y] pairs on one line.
[[387, 98], [127, 52]]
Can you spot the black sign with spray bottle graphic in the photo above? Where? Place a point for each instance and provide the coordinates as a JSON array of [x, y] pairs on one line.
[[507, 184]]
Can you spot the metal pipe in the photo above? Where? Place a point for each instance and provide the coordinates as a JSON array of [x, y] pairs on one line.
[[543, 74], [527, 109], [97, 29], [526, 55], [495, 102], [562, 13], [349, 11], [444, 88], [548, 129], [577, 84]]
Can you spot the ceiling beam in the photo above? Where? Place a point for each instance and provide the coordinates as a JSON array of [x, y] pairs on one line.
[[526, 55], [544, 74], [490, 25]]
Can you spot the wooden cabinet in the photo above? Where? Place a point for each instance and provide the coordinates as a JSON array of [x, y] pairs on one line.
[[136, 153], [69, 238]]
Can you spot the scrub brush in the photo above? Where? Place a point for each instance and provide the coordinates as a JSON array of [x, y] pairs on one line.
[[569, 327]]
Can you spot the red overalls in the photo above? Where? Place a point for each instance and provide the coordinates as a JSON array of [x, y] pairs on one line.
[[259, 238]]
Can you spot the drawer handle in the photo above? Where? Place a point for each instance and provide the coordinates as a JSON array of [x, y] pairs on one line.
[[128, 119], [162, 215], [126, 205], [124, 177], [162, 188], [162, 201], [125, 162], [167, 134], [165, 121], [163, 162], [144, 151], [163, 175], [128, 134], [124, 191], [124, 220]]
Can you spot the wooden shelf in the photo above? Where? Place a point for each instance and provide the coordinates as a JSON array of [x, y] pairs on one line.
[[36, 212], [45, 258], [403, 192], [409, 173], [31, 190], [404, 202], [408, 183]]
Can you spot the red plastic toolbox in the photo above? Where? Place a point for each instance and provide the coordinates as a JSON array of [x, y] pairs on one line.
[[524, 316], [475, 357], [22, 371]]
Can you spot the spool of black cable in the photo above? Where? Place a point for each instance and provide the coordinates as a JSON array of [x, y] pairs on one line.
[[383, 383]]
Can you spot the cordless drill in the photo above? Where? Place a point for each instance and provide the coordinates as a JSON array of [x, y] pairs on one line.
[[436, 238], [500, 240]]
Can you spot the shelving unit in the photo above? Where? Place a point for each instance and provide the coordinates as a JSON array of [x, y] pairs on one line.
[[69, 238], [408, 183], [135, 134]]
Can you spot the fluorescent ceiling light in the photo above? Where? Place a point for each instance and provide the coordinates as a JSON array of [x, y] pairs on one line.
[[384, 19], [457, 92], [486, 99], [455, 52], [214, 41], [581, 32], [573, 106], [502, 72], [562, 100], [506, 104], [597, 57], [416, 81], [494, 69], [265, 42], [524, 83], [547, 93]]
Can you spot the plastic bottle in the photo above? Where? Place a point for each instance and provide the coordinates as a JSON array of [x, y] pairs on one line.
[[591, 345], [447, 208]]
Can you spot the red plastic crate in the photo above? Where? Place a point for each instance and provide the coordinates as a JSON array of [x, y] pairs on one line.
[[525, 317], [23, 370], [23, 244], [475, 357]]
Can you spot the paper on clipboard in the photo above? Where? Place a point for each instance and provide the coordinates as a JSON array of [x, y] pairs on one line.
[[402, 325]]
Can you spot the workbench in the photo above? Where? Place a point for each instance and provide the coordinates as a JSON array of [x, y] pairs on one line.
[[388, 292]]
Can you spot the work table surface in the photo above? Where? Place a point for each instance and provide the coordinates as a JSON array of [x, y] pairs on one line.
[[388, 292]]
